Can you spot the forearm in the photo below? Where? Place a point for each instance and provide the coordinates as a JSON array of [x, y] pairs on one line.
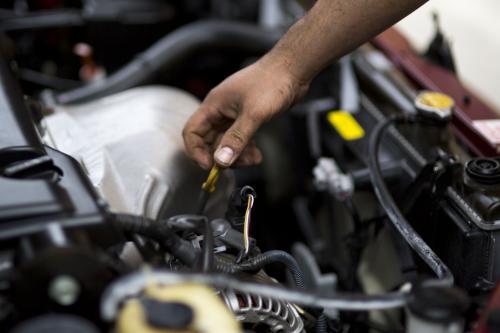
[[235, 109], [333, 28]]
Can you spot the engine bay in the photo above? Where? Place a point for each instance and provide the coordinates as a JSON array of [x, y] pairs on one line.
[[376, 207]]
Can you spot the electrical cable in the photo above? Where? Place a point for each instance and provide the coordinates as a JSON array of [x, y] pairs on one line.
[[394, 213], [207, 254], [133, 284], [202, 202], [160, 232], [47, 81], [246, 224], [270, 257], [163, 233]]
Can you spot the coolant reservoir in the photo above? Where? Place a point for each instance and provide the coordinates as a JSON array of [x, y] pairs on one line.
[[130, 144], [184, 308], [436, 309]]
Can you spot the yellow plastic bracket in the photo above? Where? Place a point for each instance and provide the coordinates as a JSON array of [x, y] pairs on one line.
[[346, 125]]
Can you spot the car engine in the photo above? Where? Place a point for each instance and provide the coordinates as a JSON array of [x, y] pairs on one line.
[[376, 207]]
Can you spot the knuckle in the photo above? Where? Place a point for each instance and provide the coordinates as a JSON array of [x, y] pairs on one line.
[[209, 108], [266, 116], [255, 117], [237, 136]]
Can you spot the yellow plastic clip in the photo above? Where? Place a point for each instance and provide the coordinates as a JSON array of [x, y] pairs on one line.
[[209, 184]]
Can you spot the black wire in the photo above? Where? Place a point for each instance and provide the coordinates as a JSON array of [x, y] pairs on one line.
[[202, 202], [394, 213], [207, 256], [260, 261], [356, 218], [321, 324], [161, 233], [356, 242], [200, 224], [46, 80]]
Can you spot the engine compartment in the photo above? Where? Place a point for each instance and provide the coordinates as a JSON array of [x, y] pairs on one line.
[[376, 207]]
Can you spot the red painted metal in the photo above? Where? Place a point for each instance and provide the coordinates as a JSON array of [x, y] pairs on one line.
[[426, 75], [493, 304]]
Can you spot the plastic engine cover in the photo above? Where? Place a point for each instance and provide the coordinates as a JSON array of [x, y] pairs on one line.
[[130, 144]]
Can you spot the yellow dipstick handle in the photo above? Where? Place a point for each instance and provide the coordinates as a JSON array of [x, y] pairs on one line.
[[209, 184]]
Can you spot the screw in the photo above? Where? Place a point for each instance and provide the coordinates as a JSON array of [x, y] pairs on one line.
[[64, 290]]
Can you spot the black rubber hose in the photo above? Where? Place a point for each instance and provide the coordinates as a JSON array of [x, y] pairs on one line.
[[168, 52], [260, 261], [394, 213], [202, 225], [207, 254], [160, 232], [321, 324], [47, 81], [42, 20], [202, 202]]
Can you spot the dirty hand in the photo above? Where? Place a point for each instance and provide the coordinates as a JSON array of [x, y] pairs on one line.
[[223, 127]]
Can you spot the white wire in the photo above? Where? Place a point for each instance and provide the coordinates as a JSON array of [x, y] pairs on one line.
[[246, 224]]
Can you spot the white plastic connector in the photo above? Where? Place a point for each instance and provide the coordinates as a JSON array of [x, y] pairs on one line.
[[329, 177]]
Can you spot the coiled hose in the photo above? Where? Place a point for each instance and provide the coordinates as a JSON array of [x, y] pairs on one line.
[[394, 213], [260, 261], [321, 324]]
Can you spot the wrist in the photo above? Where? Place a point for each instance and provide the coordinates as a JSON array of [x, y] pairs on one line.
[[283, 70]]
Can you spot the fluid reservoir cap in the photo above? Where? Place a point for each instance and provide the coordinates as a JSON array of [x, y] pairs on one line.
[[434, 104], [484, 170], [438, 304], [172, 315]]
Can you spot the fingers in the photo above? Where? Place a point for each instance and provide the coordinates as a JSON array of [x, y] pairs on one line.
[[196, 132], [236, 138], [251, 155], [205, 130]]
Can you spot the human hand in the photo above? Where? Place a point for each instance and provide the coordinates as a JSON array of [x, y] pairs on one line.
[[223, 126]]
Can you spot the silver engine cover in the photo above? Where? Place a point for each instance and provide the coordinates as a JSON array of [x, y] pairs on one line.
[[131, 147]]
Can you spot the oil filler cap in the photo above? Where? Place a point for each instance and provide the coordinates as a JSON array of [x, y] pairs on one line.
[[434, 105], [484, 170]]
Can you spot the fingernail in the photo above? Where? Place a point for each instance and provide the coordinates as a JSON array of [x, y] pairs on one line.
[[224, 155]]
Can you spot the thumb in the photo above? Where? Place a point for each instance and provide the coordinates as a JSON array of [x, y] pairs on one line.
[[236, 138]]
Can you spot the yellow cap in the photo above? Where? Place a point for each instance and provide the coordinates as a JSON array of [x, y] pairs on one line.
[[435, 104]]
